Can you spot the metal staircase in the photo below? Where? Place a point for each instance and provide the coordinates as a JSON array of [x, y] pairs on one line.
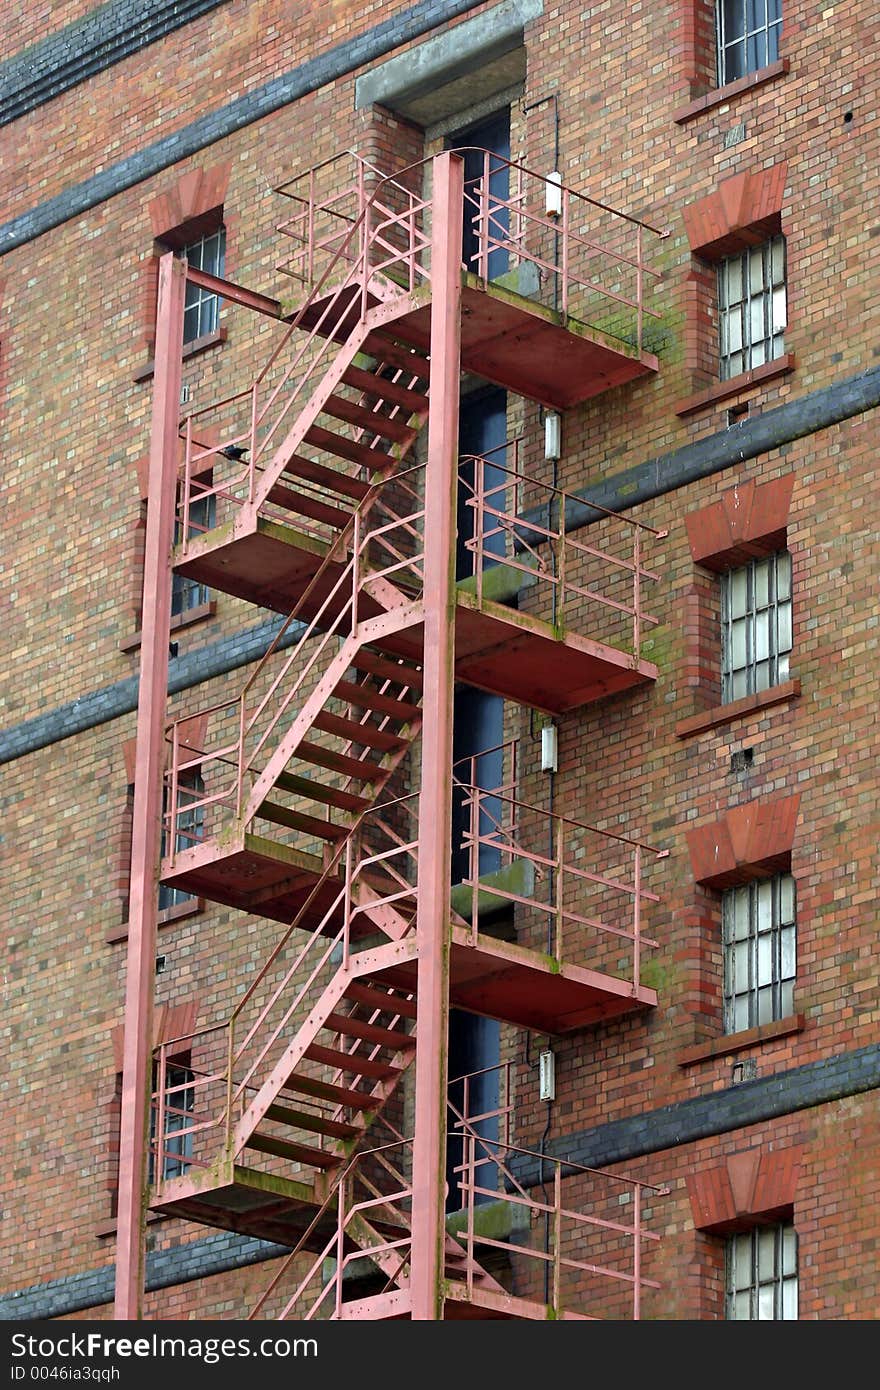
[[298, 807]]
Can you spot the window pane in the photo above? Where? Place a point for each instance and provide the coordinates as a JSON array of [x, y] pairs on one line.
[[738, 651], [741, 913], [762, 636], [787, 952], [786, 898], [742, 1308], [766, 1253], [741, 1017], [740, 958], [790, 1300], [739, 685], [789, 1250], [733, 273], [779, 310], [756, 270], [783, 627], [783, 574], [738, 589], [762, 583], [734, 330], [766, 1309]]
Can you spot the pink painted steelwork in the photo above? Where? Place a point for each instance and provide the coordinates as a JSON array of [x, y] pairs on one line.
[[565, 887], [372, 1209], [535, 541], [435, 807], [140, 965]]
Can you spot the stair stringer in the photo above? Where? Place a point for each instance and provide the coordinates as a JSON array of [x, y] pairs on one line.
[[365, 963], [365, 1234], [379, 316], [302, 724]]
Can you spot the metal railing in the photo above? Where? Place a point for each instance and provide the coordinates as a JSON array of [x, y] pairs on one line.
[[521, 523], [286, 689], [370, 873]]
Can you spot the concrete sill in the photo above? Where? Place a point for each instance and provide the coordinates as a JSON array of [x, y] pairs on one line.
[[723, 390], [720, 715], [737, 1042], [180, 620], [720, 95], [208, 340]]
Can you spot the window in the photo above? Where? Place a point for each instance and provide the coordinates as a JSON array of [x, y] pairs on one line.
[[178, 1104], [188, 829], [202, 307], [186, 593], [759, 935], [747, 33], [752, 307], [761, 1274], [755, 626]]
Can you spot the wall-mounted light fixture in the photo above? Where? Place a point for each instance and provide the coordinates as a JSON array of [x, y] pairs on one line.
[[553, 192], [552, 435]]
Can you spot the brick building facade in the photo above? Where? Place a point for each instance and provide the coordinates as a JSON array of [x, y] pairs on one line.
[[742, 764]]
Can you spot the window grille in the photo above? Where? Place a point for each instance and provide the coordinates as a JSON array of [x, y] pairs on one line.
[[759, 933], [747, 33], [756, 628], [762, 1280], [752, 310]]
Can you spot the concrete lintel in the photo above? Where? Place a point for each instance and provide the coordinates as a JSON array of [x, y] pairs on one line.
[[444, 58]]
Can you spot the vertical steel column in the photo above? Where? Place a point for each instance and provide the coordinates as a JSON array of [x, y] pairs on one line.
[[435, 800], [145, 841]]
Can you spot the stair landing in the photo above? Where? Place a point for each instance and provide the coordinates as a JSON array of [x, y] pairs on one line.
[[513, 984], [497, 648], [513, 341]]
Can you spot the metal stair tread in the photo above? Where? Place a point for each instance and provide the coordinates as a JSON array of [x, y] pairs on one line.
[[299, 1153], [384, 348], [376, 998], [375, 665], [355, 1063], [327, 1090], [303, 1119], [298, 820], [366, 698], [394, 391], [330, 478], [370, 421], [338, 762], [350, 729], [304, 505], [318, 791], [374, 459], [371, 1032]]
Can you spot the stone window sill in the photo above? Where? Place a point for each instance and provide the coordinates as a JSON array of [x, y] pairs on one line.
[[180, 620], [737, 709], [737, 1042], [108, 1227], [723, 390], [720, 95], [208, 340], [177, 913]]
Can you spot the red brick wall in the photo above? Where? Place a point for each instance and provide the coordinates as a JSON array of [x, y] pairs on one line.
[[74, 423]]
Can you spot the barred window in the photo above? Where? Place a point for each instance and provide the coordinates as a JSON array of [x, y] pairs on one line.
[[189, 827], [747, 33], [178, 1106], [202, 307], [762, 1281], [755, 626], [752, 310], [759, 935], [187, 593]]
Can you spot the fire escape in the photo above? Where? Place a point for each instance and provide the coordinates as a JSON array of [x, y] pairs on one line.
[[320, 797]]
